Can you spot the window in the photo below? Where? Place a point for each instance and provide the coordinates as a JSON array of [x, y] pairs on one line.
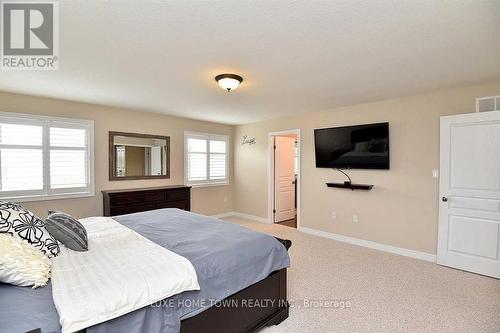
[[206, 159], [45, 157]]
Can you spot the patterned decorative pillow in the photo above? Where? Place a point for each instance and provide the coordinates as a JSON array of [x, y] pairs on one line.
[[67, 230], [21, 223]]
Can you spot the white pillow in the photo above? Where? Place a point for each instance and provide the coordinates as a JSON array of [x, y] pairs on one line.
[[21, 264]]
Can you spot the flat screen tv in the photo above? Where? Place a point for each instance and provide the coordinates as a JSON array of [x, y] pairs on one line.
[[353, 147]]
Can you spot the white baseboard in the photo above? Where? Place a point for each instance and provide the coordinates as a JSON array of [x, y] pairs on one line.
[[252, 217], [341, 238], [223, 215], [242, 215], [372, 245]]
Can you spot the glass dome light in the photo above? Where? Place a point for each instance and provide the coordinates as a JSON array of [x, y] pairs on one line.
[[228, 81]]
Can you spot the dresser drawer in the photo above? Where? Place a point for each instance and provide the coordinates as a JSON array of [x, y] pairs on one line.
[[137, 197], [122, 210], [177, 195]]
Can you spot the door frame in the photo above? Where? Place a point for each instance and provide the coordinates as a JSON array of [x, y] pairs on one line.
[[270, 173]]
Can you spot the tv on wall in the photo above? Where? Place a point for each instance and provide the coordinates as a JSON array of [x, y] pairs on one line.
[[353, 147]]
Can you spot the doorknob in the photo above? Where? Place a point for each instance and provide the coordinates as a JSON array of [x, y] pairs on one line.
[[444, 199], [293, 182]]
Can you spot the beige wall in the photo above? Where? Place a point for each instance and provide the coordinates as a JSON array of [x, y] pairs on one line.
[[402, 208], [207, 200]]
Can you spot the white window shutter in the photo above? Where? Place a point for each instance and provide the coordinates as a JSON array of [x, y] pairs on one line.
[[21, 157], [68, 157], [22, 169], [197, 166], [217, 160], [206, 159], [67, 169], [45, 157], [196, 159]]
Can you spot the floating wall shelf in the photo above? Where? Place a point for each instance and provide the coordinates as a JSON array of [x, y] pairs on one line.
[[351, 186]]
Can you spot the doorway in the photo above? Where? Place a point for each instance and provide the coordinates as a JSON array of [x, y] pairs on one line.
[[284, 178]]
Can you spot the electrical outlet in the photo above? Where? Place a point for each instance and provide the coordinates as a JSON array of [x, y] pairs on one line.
[[334, 215], [435, 173], [355, 219]]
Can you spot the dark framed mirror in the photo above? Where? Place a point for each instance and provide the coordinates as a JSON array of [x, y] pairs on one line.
[[138, 156]]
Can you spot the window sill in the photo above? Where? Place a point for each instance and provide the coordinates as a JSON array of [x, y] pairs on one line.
[[48, 197], [207, 184]]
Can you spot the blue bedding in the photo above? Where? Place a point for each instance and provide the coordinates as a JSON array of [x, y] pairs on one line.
[[227, 258]]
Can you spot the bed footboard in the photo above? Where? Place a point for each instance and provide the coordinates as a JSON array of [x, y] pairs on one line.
[[261, 304]]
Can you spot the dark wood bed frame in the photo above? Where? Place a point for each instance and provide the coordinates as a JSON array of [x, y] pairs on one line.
[[261, 304]]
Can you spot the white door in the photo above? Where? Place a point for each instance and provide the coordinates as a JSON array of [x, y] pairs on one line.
[[469, 209], [284, 178]]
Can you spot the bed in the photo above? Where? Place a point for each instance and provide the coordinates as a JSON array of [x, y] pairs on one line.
[[232, 264]]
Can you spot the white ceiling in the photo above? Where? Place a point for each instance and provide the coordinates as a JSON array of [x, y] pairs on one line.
[[295, 56]]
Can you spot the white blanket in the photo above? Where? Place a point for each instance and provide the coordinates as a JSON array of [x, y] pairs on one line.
[[121, 272]]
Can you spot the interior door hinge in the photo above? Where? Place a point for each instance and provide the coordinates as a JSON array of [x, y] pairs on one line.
[[274, 211], [274, 147]]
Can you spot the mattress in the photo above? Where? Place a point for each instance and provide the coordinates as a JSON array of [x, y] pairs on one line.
[[227, 258]]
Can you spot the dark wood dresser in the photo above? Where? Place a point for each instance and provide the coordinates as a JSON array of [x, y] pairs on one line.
[[118, 202]]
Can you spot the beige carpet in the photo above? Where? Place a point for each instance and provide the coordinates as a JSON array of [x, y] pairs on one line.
[[387, 293]]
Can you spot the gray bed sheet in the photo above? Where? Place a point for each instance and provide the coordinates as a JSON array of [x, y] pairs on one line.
[[227, 258]]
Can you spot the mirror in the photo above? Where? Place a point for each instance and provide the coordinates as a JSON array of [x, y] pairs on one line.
[[138, 156]]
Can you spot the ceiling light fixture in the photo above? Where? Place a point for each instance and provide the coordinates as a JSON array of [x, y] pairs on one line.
[[228, 81]]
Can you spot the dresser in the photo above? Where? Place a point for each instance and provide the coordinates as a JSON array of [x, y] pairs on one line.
[[126, 201]]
